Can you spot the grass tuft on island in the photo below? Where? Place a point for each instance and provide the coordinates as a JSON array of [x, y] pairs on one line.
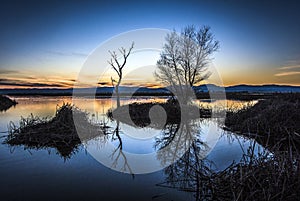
[[58, 132], [6, 103]]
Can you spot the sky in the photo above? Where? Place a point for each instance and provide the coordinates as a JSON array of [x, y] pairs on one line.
[[46, 43]]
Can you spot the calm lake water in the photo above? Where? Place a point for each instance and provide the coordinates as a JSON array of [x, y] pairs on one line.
[[28, 174]]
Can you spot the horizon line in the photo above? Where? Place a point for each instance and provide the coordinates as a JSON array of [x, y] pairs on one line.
[[149, 87]]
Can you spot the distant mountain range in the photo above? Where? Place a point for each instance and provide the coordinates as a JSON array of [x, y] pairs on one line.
[[155, 91], [270, 88]]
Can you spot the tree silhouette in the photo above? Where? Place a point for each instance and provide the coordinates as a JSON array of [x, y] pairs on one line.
[[185, 57], [118, 65]]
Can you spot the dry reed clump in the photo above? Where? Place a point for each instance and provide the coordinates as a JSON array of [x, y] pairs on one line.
[[59, 132], [273, 122], [6, 103], [264, 178]]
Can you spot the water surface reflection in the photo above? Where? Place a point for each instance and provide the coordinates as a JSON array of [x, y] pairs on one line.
[[82, 177]]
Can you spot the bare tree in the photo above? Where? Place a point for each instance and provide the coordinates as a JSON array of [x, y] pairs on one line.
[[118, 65], [185, 57]]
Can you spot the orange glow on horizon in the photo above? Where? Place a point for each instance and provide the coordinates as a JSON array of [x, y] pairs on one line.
[[62, 82]]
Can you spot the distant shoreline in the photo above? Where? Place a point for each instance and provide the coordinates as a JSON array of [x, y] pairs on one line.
[[203, 95], [202, 91]]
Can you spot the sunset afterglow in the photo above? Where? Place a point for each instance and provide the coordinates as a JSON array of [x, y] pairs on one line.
[[44, 45]]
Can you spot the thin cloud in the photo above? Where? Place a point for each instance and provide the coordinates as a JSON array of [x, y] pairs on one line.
[[7, 71], [287, 73], [150, 85], [129, 84], [75, 54], [79, 54], [289, 67], [104, 83], [57, 53], [18, 83], [29, 77]]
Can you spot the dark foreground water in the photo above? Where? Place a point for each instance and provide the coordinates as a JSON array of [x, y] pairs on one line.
[[28, 174]]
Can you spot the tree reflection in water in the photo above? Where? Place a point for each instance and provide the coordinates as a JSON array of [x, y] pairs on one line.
[[191, 172], [118, 152]]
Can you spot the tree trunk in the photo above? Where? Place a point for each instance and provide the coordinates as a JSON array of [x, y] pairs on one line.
[[118, 135], [118, 96]]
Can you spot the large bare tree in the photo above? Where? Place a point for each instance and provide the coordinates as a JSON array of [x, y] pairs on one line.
[[118, 64], [185, 57]]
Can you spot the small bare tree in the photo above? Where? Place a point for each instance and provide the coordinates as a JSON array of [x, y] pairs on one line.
[[185, 57], [118, 65]]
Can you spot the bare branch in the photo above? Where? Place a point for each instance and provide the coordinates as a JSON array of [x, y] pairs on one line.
[[118, 67]]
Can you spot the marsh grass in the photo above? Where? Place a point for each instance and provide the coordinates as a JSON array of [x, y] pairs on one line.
[[272, 122], [58, 132], [273, 176]]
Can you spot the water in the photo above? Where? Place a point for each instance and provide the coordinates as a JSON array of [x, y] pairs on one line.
[[44, 175]]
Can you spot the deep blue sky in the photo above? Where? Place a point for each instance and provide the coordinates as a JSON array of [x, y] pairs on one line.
[[47, 42]]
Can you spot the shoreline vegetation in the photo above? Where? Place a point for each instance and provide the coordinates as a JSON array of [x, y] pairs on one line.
[[6, 103], [273, 123]]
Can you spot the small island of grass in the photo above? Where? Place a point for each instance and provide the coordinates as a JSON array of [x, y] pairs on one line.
[[6, 103], [141, 114], [59, 132]]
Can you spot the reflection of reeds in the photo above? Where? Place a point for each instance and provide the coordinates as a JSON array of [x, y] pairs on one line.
[[6, 103], [58, 132], [266, 176]]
